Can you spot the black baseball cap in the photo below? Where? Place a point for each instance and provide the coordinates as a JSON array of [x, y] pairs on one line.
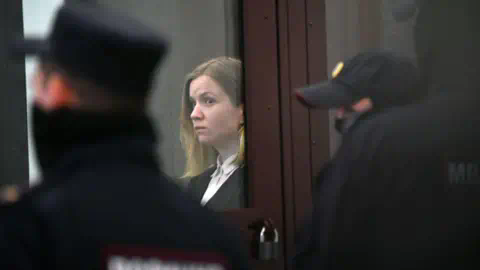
[[388, 79], [109, 49]]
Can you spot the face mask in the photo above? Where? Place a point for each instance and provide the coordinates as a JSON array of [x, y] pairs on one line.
[[339, 124], [41, 134], [51, 133]]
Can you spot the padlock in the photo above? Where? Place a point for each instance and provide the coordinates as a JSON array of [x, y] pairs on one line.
[[268, 242]]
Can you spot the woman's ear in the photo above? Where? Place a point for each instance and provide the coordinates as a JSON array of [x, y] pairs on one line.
[[242, 114]]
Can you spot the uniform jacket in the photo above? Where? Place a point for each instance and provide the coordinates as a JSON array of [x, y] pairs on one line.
[[102, 195]]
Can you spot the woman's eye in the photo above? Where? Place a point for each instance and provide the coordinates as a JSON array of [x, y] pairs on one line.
[[209, 101]]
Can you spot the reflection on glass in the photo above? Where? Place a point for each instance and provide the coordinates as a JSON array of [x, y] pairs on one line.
[[198, 31], [212, 133]]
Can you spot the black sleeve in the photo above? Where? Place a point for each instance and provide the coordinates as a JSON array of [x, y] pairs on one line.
[[20, 238], [304, 239], [320, 178]]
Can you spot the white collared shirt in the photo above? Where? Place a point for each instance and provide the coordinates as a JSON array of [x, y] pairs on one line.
[[219, 177]]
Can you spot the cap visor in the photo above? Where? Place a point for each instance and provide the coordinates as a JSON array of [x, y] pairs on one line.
[[31, 46], [324, 95]]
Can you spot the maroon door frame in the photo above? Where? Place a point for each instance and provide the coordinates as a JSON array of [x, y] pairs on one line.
[[262, 108], [305, 133], [284, 47]]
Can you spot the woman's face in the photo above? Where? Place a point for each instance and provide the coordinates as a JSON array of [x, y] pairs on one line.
[[215, 119]]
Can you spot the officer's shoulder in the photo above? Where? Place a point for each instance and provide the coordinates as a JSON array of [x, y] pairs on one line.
[[396, 131], [420, 128], [44, 198], [37, 201]]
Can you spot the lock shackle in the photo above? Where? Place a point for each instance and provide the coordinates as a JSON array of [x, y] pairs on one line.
[[262, 234]]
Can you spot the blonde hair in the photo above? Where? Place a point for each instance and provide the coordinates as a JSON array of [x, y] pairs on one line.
[[227, 72]]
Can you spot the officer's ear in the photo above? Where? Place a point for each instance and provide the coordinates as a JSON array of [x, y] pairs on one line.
[[60, 93], [363, 105]]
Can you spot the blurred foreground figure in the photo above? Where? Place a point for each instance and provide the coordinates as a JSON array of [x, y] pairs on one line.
[[103, 202]]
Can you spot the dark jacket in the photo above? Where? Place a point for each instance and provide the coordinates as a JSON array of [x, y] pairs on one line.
[[312, 236], [411, 197], [104, 196], [404, 192], [232, 194]]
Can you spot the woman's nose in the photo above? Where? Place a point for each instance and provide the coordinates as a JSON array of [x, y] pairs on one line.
[[196, 113]]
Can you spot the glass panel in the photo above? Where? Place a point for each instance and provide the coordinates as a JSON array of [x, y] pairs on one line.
[[398, 36], [37, 17], [356, 26], [211, 112]]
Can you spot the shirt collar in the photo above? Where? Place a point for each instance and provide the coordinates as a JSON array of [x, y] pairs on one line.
[[228, 165]]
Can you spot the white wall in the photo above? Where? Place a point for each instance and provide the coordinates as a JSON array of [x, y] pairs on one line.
[[37, 16]]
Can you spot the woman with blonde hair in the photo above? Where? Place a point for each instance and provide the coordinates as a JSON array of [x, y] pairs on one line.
[[212, 133]]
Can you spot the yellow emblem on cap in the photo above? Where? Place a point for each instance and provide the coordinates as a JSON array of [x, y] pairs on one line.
[[338, 68]]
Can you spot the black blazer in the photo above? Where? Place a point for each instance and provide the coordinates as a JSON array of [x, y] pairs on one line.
[[232, 194]]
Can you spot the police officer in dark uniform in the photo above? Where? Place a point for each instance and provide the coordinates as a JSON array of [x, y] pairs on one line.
[[411, 195], [366, 85], [103, 203]]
